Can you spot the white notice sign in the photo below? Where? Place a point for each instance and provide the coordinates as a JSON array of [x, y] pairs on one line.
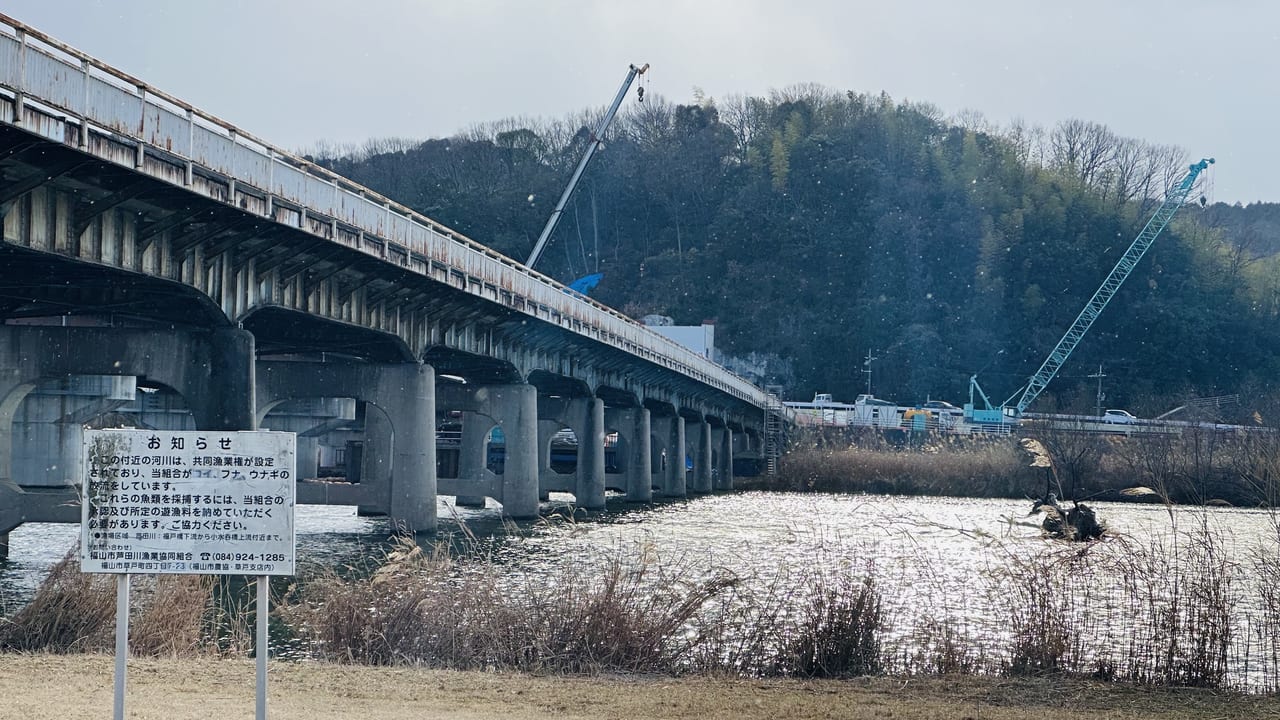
[[158, 501]]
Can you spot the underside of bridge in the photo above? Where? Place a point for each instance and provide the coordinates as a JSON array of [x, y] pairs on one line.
[[172, 254], [97, 270]]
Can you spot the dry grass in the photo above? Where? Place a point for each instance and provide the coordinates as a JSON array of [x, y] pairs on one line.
[[166, 689], [1197, 466], [970, 468], [1165, 613], [619, 616], [70, 612], [839, 634], [1114, 611], [170, 615]]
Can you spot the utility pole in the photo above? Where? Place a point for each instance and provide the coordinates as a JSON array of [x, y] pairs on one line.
[[866, 368], [1099, 375]]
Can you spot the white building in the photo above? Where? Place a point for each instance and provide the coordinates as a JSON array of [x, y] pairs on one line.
[[698, 338]]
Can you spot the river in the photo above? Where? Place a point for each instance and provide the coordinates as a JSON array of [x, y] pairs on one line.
[[948, 561]]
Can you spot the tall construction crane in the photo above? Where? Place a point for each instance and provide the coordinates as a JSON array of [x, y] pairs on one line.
[[595, 143], [1174, 199]]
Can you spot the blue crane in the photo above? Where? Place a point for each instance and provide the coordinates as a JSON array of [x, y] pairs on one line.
[[1174, 199]]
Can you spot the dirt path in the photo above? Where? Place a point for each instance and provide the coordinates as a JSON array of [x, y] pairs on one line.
[[48, 687]]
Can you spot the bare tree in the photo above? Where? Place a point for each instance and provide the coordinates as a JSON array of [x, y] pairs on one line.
[[1084, 149], [1131, 176], [1028, 142], [650, 123], [1076, 456], [744, 115], [973, 121]]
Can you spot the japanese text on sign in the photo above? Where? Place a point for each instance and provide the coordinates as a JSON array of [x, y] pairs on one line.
[[188, 502]]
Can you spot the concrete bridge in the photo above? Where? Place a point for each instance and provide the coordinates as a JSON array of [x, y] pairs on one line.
[[161, 267]]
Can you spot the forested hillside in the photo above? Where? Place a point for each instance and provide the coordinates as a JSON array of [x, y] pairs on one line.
[[812, 226]]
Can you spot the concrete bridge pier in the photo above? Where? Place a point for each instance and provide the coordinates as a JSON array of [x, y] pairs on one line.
[[513, 409], [516, 409], [634, 456], [213, 370], [548, 478], [407, 395], [228, 401], [724, 468], [701, 452], [585, 416], [640, 457], [473, 460], [376, 461], [400, 427], [660, 452], [575, 414], [591, 480], [312, 420], [676, 481], [12, 510], [48, 427]]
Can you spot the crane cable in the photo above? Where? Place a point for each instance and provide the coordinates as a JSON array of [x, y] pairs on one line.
[[1206, 188]]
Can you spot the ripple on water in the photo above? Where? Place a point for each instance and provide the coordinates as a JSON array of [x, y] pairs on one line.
[[932, 557]]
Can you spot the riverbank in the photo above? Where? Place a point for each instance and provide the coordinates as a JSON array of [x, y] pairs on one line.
[[1195, 467], [75, 687], [750, 585]]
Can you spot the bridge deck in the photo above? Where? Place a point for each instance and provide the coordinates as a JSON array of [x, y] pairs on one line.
[[67, 97]]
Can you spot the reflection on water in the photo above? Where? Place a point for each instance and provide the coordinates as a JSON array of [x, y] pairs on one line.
[[326, 535], [944, 540], [939, 558]]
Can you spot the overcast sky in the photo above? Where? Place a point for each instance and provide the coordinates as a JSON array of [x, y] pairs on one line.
[[1200, 75]]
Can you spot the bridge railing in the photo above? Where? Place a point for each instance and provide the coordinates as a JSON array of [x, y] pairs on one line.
[[47, 73]]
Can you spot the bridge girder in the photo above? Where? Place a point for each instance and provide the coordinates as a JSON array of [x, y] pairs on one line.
[[99, 238]]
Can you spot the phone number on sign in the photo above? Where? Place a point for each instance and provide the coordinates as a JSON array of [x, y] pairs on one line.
[[244, 557]]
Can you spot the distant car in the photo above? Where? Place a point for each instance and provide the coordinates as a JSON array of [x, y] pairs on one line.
[[939, 405], [1118, 416]]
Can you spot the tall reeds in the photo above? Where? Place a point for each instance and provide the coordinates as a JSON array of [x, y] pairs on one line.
[[956, 468], [70, 612], [170, 616], [624, 614], [1177, 609], [1195, 465]]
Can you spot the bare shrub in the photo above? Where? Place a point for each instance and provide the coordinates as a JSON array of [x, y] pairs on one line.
[[1076, 458], [1182, 599], [742, 629], [70, 612], [171, 615], [1121, 611], [403, 613], [943, 646], [1038, 604], [839, 633], [630, 616], [73, 611], [1266, 565]]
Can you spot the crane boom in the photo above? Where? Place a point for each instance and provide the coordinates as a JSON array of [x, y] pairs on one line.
[[596, 138], [1173, 200]]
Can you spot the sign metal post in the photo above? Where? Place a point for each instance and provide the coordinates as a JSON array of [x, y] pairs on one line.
[[122, 644]]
